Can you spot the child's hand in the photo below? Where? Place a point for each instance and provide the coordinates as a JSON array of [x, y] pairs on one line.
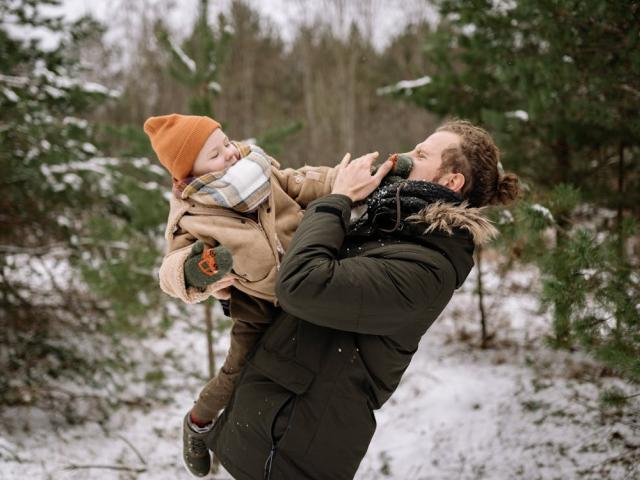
[[205, 266]]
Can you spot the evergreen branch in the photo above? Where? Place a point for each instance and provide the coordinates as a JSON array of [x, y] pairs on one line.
[[14, 81], [6, 284], [44, 249], [629, 89]]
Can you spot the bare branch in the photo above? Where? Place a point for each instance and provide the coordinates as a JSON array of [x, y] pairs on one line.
[[135, 450], [107, 467]]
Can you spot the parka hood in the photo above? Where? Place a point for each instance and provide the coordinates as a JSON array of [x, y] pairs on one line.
[[454, 230], [447, 216]]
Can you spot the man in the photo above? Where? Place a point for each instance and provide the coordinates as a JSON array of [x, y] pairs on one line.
[[356, 299]]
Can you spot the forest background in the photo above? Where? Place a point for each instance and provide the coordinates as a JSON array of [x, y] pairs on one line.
[[83, 201]]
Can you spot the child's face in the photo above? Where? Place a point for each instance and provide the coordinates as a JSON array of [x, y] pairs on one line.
[[217, 154]]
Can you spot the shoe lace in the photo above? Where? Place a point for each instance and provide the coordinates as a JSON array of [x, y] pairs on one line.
[[197, 447]]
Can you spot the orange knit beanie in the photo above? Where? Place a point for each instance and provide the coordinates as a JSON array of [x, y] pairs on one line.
[[177, 140]]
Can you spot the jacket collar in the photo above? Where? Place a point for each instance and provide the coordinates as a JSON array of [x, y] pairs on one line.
[[455, 231], [448, 217]]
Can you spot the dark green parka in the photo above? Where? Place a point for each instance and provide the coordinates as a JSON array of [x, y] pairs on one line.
[[351, 321]]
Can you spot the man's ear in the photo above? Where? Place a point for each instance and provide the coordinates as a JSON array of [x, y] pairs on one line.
[[454, 181]]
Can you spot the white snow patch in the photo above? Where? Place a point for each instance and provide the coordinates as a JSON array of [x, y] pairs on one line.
[[14, 81], [10, 94], [469, 29], [54, 92], [544, 211], [151, 186], [505, 217], [76, 122], [517, 410], [124, 200], [184, 58], [93, 87], [406, 85], [73, 180], [89, 148], [519, 114]]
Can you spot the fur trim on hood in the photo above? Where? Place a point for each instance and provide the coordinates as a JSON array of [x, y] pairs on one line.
[[447, 216]]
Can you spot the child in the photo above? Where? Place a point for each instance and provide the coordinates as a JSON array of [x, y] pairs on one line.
[[232, 211]]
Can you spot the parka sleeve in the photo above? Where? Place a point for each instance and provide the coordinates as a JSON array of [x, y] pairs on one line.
[[307, 183], [370, 295], [171, 274]]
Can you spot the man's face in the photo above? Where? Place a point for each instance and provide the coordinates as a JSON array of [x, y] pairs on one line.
[[427, 157], [216, 155]]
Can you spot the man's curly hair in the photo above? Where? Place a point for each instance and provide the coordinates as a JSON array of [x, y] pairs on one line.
[[478, 158]]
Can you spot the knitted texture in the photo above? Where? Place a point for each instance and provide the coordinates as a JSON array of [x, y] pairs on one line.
[[402, 166], [178, 139], [205, 266], [389, 205]]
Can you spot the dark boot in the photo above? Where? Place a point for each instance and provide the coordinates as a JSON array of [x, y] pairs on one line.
[[194, 450]]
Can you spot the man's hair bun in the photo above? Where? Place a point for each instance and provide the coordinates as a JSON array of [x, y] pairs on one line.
[[508, 189]]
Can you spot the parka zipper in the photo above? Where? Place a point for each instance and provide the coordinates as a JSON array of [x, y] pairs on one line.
[[275, 442], [269, 462]]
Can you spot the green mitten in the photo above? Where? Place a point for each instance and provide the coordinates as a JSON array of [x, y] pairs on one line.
[[205, 266], [402, 166]]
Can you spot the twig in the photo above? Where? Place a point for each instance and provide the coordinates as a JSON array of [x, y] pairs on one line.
[[135, 450], [15, 455], [610, 460], [106, 467], [630, 89]]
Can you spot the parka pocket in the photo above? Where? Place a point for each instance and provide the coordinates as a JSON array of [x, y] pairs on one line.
[[282, 336], [250, 419], [343, 435], [284, 371], [243, 435]]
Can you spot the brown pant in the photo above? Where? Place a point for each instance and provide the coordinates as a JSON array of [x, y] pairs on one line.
[[251, 318]]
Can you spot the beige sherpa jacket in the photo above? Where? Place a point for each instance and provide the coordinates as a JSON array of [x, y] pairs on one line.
[[256, 245]]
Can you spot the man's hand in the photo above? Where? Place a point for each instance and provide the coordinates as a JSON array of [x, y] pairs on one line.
[[355, 179]]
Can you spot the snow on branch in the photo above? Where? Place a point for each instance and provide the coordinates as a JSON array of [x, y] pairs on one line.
[[519, 114], [14, 81], [406, 85], [63, 82], [544, 211], [184, 58]]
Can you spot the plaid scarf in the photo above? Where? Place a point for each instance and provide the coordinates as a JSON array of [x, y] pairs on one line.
[[242, 187]]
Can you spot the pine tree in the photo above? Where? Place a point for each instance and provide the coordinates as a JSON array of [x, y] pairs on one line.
[[78, 228], [196, 63], [556, 85]]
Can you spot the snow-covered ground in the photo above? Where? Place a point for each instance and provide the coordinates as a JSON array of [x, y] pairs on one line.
[[514, 410]]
